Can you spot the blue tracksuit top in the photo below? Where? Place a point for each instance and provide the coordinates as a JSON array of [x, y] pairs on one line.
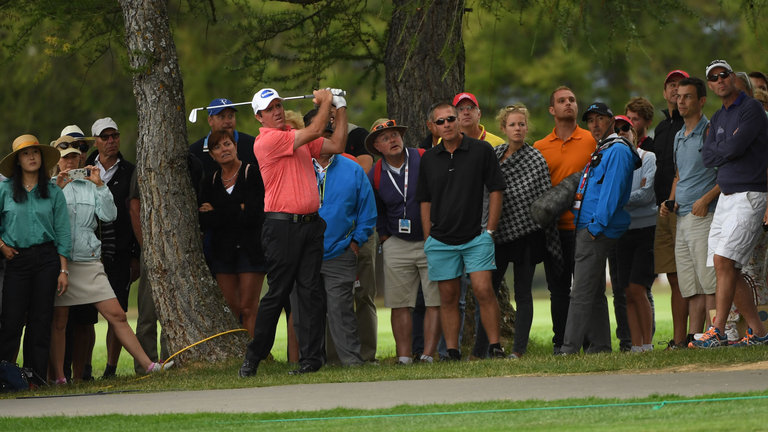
[[607, 190], [348, 207]]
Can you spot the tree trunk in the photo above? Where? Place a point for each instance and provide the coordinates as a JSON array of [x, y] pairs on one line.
[[189, 304], [424, 60]]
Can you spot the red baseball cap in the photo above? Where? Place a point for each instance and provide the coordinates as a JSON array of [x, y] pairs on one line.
[[624, 118], [682, 73], [461, 96]]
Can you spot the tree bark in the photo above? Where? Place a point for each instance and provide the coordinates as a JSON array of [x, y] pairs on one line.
[[424, 60], [189, 304]]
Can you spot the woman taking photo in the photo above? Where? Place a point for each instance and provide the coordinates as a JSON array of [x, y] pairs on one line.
[[87, 199], [519, 240], [36, 243], [232, 209]]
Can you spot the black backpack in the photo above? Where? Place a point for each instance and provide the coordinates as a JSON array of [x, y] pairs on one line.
[[12, 378]]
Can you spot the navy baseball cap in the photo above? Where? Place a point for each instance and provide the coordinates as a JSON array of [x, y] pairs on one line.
[[597, 107], [216, 107]]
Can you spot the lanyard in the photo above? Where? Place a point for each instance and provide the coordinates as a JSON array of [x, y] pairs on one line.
[[594, 161], [404, 192], [321, 174]]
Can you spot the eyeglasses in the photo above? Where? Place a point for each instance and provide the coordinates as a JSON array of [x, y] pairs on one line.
[[386, 124], [715, 77], [466, 108], [106, 137], [449, 119], [623, 128], [82, 146]]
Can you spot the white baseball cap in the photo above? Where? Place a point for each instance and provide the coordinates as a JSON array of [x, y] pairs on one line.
[[718, 63], [263, 98], [101, 124]]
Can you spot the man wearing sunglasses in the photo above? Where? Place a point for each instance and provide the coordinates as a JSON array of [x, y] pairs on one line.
[[566, 149], [119, 249], [737, 145], [452, 179], [600, 220]]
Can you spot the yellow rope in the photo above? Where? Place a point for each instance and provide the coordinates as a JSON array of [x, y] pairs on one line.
[[193, 345], [201, 341]]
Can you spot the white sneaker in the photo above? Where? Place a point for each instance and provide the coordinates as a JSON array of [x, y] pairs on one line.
[[159, 367]]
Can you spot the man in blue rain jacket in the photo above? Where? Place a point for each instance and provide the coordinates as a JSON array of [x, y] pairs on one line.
[[600, 220]]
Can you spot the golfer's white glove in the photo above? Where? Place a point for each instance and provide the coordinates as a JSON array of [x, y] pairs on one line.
[[338, 97], [339, 102], [336, 92]]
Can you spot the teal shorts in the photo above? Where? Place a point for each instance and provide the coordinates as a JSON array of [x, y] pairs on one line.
[[446, 262]]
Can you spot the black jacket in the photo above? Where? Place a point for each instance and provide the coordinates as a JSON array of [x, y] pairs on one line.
[[117, 237], [244, 152], [232, 227], [663, 146]]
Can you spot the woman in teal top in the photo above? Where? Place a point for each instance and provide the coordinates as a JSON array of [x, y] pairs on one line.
[[36, 243]]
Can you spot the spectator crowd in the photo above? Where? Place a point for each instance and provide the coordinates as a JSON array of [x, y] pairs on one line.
[[313, 201]]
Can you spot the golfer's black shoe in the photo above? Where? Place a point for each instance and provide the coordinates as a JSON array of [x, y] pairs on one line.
[[304, 369], [248, 368]]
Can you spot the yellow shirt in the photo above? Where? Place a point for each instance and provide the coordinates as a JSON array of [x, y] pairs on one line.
[[489, 137], [564, 159]]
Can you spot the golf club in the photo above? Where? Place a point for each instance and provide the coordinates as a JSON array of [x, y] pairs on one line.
[[193, 113]]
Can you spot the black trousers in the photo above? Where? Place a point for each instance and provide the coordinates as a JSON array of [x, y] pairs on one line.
[[29, 288], [559, 284], [118, 270], [294, 254]]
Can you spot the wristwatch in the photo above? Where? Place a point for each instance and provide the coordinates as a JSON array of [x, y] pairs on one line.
[[490, 232], [66, 272]]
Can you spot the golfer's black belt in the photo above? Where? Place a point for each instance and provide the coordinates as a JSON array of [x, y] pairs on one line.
[[295, 218]]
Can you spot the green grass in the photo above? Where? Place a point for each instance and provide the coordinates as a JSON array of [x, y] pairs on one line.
[[658, 413], [538, 361]]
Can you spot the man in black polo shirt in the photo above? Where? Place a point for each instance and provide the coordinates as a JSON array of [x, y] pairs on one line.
[[450, 190]]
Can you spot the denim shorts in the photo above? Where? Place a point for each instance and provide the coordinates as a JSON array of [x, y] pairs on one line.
[[446, 262]]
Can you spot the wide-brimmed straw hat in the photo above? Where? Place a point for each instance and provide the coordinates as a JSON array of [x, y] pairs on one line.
[[50, 155], [379, 126]]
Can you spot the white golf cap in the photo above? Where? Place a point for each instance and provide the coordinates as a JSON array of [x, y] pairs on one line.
[[263, 98], [101, 124], [716, 64], [73, 131]]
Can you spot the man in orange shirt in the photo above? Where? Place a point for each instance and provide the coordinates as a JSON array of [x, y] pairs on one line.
[[567, 150]]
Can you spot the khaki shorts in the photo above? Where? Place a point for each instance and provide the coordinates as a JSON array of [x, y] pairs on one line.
[[664, 244], [405, 266], [694, 277]]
